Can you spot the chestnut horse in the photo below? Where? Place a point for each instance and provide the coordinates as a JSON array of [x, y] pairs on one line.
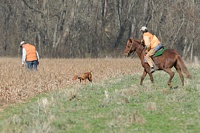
[[170, 58]]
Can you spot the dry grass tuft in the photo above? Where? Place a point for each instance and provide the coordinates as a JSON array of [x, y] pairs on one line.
[[136, 117], [127, 118], [151, 106]]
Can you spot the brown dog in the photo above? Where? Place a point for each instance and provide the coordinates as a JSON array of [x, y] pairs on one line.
[[83, 76]]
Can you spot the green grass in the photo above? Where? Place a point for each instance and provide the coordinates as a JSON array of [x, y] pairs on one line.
[[118, 105]]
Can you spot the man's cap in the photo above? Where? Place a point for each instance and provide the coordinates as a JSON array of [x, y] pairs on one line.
[[22, 42], [143, 28]]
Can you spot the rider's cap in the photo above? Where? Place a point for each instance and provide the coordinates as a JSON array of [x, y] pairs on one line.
[[143, 28]]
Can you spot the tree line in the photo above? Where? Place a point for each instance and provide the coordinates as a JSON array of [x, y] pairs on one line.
[[97, 28]]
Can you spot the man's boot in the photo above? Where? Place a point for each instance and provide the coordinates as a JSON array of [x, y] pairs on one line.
[[152, 69]]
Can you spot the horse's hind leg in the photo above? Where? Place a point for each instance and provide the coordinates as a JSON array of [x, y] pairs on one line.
[[171, 74]]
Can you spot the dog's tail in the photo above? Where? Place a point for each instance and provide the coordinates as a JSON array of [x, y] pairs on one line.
[[90, 76], [75, 77]]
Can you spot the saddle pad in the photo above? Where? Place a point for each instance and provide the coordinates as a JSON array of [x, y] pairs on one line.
[[159, 52]]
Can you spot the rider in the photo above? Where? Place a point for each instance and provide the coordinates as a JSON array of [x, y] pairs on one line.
[[152, 45]]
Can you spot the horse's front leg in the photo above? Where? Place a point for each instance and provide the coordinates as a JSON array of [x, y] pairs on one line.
[[143, 76], [147, 69], [151, 77]]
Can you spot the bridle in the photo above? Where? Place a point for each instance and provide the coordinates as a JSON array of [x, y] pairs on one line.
[[133, 53]]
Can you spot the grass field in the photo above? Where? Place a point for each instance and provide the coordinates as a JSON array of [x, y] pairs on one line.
[[49, 101]]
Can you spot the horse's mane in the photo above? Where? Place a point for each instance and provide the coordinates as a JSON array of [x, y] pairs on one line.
[[138, 40]]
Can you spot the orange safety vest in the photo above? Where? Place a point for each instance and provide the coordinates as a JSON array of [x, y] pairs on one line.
[[153, 39], [30, 52]]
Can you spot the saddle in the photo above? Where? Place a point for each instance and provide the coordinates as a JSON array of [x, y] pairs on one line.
[[159, 52]]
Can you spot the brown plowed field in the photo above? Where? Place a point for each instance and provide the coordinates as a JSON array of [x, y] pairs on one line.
[[18, 84]]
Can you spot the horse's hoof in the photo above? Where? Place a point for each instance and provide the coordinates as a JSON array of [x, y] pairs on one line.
[[176, 87]]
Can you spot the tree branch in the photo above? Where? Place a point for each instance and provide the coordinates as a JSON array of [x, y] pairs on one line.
[[36, 10]]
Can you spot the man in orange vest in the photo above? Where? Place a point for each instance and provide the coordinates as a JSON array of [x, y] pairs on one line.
[[152, 45], [29, 55]]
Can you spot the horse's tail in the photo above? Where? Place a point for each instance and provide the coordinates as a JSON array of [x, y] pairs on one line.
[[183, 67]]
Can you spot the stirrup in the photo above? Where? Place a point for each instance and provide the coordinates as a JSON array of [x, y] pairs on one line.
[[152, 70], [155, 67]]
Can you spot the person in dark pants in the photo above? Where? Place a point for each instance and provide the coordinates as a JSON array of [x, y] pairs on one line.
[[30, 56]]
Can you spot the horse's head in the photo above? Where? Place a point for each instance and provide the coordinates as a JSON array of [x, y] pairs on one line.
[[130, 47]]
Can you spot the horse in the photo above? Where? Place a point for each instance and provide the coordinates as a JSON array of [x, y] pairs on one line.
[[170, 58]]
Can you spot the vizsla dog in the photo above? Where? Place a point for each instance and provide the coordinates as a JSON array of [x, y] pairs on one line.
[[83, 76]]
